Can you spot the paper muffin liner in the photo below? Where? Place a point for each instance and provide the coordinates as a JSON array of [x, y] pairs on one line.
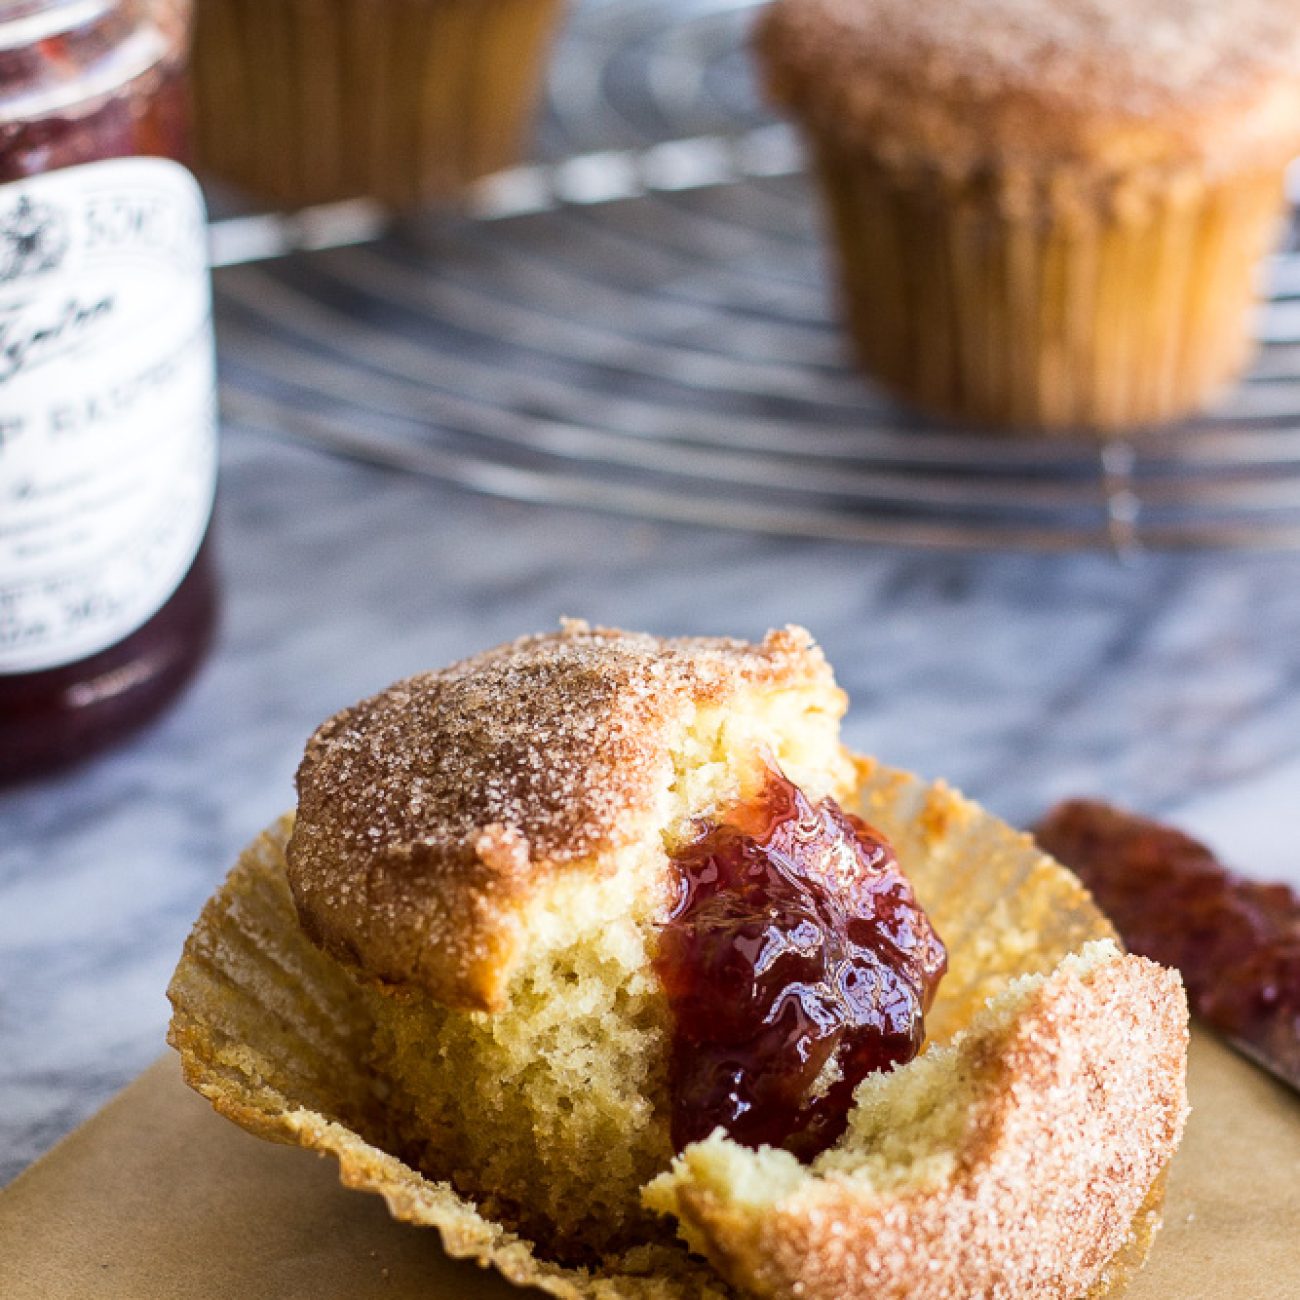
[[306, 101], [277, 1037], [1059, 312]]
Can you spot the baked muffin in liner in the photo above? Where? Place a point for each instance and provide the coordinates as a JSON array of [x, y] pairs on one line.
[[406, 101], [277, 1035], [1050, 320], [1045, 217]]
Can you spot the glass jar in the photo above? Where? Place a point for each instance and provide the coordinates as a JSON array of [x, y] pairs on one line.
[[107, 381]]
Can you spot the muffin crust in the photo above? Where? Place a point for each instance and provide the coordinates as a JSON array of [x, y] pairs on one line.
[[1095, 86], [430, 814]]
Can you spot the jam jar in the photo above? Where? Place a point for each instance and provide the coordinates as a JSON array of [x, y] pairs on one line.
[[107, 377]]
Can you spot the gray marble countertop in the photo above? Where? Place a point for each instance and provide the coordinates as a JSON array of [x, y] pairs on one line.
[[1169, 683]]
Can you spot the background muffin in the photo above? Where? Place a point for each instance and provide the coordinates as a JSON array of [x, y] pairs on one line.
[[1046, 215], [304, 101]]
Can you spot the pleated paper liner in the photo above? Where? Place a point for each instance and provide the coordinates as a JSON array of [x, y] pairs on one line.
[[274, 1034], [1058, 313], [406, 101]]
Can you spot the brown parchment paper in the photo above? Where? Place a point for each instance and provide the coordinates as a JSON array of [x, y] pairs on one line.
[[158, 1198]]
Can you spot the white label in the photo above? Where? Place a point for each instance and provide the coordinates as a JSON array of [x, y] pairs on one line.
[[107, 404]]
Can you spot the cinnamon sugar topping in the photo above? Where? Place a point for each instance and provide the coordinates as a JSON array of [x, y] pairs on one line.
[[428, 813], [1112, 54], [1061, 74]]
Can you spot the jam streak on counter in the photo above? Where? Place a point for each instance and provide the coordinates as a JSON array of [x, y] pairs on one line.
[[797, 961], [1235, 941]]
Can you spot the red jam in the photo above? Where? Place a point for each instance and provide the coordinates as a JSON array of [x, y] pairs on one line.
[[1235, 941], [797, 961]]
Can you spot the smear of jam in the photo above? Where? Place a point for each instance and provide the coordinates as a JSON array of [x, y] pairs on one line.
[[1236, 941], [796, 943]]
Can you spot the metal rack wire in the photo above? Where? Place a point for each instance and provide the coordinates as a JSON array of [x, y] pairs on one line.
[[641, 323]]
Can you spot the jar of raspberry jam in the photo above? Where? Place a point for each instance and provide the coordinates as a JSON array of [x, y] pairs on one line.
[[107, 380]]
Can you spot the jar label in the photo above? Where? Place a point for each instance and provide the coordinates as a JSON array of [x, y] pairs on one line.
[[107, 404]]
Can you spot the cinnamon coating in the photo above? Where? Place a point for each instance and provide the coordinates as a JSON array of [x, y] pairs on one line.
[[1089, 86], [431, 813]]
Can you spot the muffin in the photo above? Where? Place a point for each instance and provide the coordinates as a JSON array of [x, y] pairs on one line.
[[602, 955], [405, 101], [1046, 216]]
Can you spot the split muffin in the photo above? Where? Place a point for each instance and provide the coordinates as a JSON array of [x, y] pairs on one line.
[[600, 953], [1045, 216]]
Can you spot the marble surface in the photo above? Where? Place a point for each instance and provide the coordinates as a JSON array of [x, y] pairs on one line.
[[1167, 682]]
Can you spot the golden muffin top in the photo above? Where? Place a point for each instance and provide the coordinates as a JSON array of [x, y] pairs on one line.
[[1116, 83], [432, 814]]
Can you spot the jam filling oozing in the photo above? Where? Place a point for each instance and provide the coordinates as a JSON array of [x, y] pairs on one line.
[[797, 961]]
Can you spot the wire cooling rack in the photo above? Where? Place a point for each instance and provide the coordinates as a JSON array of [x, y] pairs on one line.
[[641, 323]]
